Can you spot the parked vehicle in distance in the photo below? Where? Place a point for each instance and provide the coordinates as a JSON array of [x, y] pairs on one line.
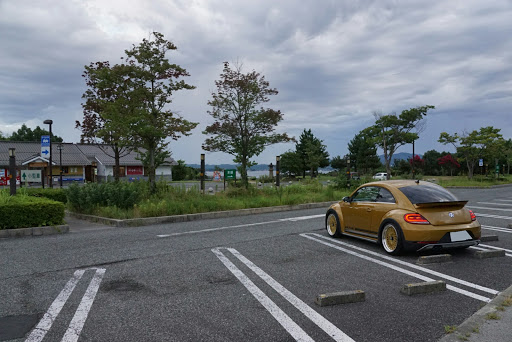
[[354, 175], [381, 176], [404, 214]]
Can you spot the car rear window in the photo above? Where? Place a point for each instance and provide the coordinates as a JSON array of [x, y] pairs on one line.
[[427, 194]]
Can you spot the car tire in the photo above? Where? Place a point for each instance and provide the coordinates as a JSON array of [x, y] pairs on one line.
[[391, 238], [332, 224]]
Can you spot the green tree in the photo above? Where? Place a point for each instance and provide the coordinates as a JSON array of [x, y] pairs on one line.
[[392, 131], [25, 133], [179, 172], [290, 163], [507, 153], [109, 110], [363, 152], [431, 167], [485, 143], [242, 127], [155, 81], [313, 154], [338, 163]]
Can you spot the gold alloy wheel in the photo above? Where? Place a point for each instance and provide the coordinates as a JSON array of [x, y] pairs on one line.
[[332, 224], [389, 238]]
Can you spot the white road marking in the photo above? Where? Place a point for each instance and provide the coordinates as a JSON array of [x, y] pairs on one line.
[[49, 317], [504, 200], [487, 208], [497, 248], [493, 216], [292, 219], [498, 229], [321, 239], [78, 321], [314, 316], [492, 203], [296, 331]]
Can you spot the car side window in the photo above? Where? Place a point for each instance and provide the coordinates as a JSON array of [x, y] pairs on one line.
[[366, 194], [385, 196]]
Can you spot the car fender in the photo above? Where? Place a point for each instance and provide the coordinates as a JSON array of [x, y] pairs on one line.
[[337, 208], [395, 216]]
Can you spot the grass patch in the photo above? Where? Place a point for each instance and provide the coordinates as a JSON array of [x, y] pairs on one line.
[[178, 200], [449, 329], [507, 301], [492, 315], [478, 180]]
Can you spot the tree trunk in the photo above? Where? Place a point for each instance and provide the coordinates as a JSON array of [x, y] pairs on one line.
[[152, 169], [243, 173], [117, 166]]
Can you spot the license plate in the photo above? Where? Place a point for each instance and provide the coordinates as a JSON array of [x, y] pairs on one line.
[[460, 236]]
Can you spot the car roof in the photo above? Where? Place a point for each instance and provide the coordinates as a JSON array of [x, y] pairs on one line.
[[399, 183]]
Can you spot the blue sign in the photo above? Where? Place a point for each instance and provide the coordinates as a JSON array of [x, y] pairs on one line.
[[481, 162], [45, 141]]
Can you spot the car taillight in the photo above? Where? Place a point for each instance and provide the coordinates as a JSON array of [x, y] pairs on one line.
[[473, 216], [415, 219]]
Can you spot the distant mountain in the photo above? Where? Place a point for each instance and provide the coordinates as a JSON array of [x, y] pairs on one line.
[[397, 156]]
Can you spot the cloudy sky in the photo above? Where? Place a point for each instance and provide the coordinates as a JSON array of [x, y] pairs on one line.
[[333, 62]]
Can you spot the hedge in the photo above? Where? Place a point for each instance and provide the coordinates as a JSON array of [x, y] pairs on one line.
[[27, 211], [58, 195]]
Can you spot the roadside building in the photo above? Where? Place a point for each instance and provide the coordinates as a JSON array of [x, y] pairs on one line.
[[78, 162]]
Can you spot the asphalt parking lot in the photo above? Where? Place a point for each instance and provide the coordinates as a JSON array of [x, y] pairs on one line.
[[243, 278]]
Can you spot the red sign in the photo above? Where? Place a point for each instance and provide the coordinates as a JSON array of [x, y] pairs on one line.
[[134, 170]]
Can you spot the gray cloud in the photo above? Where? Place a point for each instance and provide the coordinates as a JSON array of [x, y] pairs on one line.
[[333, 62]]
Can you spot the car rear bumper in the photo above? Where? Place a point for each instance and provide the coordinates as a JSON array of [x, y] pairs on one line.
[[442, 245]]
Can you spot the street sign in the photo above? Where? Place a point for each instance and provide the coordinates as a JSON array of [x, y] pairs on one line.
[[497, 169], [229, 174], [31, 176], [480, 162], [45, 146]]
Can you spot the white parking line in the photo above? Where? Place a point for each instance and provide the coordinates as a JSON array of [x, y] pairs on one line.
[[297, 332], [321, 239], [497, 248], [78, 321], [493, 216], [314, 316], [487, 208], [292, 219], [504, 200], [498, 229], [493, 203]]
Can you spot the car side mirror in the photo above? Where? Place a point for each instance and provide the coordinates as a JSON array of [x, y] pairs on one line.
[[346, 199]]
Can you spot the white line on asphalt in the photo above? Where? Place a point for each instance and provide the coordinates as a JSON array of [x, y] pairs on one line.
[[78, 321], [49, 317], [402, 270], [497, 248], [505, 200], [297, 332], [292, 219], [487, 208], [314, 316], [493, 216], [498, 229], [492, 203]]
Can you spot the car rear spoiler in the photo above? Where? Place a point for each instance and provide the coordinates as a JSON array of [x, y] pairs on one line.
[[459, 204]]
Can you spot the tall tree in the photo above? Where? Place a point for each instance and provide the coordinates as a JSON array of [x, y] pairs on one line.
[[431, 166], [364, 152], [448, 161], [25, 133], [156, 80], [484, 143], [339, 163], [108, 110], [242, 127], [313, 153], [290, 163], [392, 131]]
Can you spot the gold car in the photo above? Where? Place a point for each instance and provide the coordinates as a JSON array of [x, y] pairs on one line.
[[404, 214]]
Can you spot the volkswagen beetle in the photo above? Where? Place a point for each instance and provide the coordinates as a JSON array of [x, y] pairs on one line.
[[404, 214]]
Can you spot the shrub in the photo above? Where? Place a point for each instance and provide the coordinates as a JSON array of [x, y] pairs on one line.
[[58, 195], [23, 211]]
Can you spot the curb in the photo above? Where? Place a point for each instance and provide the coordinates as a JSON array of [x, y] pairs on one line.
[[479, 187], [478, 318], [423, 288], [434, 259], [194, 217], [34, 231], [343, 297]]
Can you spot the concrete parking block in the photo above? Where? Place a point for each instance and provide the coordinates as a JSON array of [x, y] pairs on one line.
[[434, 259], [422, 288], [487, 238], [342, 297], [495, 253]]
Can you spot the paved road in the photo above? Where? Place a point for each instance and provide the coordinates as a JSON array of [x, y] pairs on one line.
[[244, 278]]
